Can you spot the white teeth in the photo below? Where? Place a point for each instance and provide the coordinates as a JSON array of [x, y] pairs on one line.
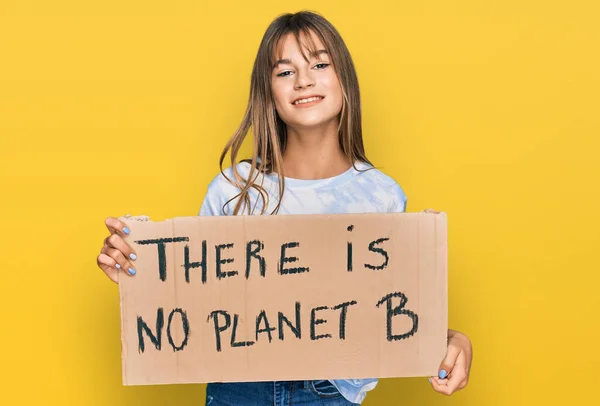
[[302, 101]]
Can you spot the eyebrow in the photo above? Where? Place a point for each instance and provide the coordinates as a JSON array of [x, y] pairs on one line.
[[312, 54]]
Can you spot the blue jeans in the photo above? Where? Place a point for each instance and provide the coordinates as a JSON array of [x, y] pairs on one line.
[[280, 393]]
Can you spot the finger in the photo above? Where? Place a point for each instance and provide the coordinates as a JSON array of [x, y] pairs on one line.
[[115, 241], [459, 373], [120, 261], [112, 261], [438, 387], [108, 265], [449, 361], [438, 380], [116, 226]]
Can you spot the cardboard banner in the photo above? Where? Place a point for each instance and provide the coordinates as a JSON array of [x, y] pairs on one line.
[[285, 297]]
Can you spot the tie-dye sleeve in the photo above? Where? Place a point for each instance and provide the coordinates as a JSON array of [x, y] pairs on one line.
[[398, 199], [219, 192]]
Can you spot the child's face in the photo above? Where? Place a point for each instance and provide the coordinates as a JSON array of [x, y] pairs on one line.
[[295, 79]]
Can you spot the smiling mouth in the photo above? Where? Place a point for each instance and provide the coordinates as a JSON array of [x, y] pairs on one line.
[[308, 101]]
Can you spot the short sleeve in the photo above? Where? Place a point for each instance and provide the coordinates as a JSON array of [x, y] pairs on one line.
[[219, 192], [398, 199], [211, 206]]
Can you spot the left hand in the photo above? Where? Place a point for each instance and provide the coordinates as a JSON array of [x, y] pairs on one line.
[[454, 371]]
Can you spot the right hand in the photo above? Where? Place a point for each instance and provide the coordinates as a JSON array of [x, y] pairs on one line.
[[116, 254]]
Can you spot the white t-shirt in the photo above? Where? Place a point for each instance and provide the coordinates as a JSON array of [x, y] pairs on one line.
[[353, 191]]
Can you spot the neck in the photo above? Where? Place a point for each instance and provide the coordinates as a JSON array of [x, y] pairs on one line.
[[314, 153]]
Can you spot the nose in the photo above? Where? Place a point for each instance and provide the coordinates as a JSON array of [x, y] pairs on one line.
[[304, 80]]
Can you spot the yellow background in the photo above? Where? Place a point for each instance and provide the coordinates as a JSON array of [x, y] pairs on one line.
[[488, 110]]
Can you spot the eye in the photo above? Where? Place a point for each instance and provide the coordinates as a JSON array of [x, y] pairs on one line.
[[319, 66]]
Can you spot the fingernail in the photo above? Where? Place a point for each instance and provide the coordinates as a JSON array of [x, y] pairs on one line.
[[132, 256], [125, 230], [443, 374], [429, 379], [118, 266], [132, 271]]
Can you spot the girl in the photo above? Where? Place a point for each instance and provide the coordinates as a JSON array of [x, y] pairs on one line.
[[308, 158]]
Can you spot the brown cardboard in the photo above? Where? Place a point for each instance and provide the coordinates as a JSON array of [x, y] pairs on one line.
[[416, 250]]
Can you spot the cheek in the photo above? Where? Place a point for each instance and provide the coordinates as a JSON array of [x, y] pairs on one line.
[[335, 89], [337, 99], [279, 97]]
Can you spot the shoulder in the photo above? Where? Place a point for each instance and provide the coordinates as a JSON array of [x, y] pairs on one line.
[[221, 184], [382, 184], [220, 190]]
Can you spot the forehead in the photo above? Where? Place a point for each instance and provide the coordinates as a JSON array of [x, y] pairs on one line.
[[307, 44]]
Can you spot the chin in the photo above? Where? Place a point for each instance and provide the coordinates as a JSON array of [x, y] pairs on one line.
[[320, 119], [314, 123]]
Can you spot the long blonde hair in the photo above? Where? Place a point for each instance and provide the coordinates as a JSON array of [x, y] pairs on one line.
[[270, 132]]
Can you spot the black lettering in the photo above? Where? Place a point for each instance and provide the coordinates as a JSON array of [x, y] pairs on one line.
[[262, 316], [314, 321], [162, 255], [295, 329], [218, 327], [381, 251], [349, 254], [344, 307], [191, 265], [185, 326], [220, 274], [283, 259], [233, 334], [397, 311], [253, 253], [155, 339]]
